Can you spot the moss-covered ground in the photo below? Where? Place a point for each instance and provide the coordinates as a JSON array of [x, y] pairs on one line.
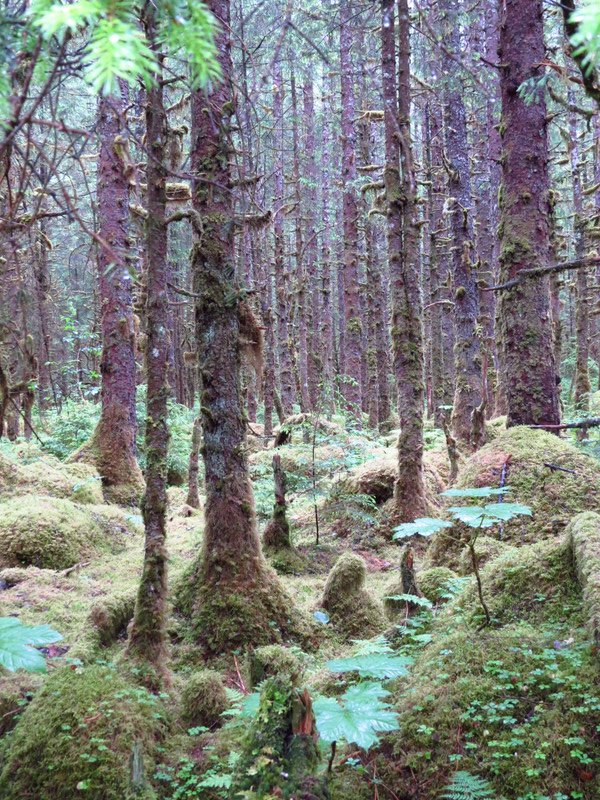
[[516, 703]]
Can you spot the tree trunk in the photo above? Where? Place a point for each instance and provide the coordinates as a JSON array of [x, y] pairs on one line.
[[524, 310], [148, 640], [237, 600], [403, 256]]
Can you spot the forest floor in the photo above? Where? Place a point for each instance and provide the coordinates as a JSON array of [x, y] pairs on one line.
[[511, 708]]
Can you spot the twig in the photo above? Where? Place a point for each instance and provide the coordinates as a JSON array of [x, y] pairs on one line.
[[242, 685], [554, 467]]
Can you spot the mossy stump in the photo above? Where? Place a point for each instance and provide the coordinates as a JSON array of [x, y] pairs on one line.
[[352, 609], [203, 699]]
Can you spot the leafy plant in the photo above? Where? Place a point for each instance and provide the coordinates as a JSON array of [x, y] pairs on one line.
[[465, 786], [357, 716], [18, 642], [375, 665], [424, 526]]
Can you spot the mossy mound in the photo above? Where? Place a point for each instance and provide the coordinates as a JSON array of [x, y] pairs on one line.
[[46, 475], [494, 427], [274, 659], [516, 706], [583, 533], [486, 549], [352, 609], [543, 471], [16, 691], [203, 698], [433, 582], [110, 617], [377, 478], [46, 532], [86, 733], [536, 583]]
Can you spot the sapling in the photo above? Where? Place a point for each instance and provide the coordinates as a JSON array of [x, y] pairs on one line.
[[474, 517]]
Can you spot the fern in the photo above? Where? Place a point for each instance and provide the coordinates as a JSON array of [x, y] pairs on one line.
[[465, 786]]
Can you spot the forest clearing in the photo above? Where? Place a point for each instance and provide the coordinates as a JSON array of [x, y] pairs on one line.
[[300, 400]]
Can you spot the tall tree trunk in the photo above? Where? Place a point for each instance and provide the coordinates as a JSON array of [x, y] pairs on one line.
[[351, 367], [468, 389], [236, 599], [403, 256], [524, 310], [112, 447], [147, 641]]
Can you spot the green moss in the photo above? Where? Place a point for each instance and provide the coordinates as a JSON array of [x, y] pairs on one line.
[[110, 617], [45, 532], [352, 609], [203, 698], [534, 583], [583, 533], [510, 705], [16, 691], [87, 733], [554, 495], [43, 474], [432, 582], [486, 549], [265, 662]]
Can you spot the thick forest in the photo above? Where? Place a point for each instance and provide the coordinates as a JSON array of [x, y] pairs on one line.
[[300, 399]]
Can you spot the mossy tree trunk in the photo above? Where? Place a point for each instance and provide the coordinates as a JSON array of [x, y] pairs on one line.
[[468, 387], [524, 310], [147, 640], [403, 257], [237, 599], [113, 443], [351, 366]]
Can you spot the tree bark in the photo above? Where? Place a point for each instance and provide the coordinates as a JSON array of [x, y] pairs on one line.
[[524, 309]]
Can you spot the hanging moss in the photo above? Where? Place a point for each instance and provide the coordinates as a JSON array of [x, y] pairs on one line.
[[203, 698], [352, 609], [86, 733]]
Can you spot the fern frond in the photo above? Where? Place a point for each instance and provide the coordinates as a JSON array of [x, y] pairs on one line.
[[465, 786]]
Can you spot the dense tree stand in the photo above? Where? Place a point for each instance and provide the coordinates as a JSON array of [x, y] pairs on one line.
[[237, 599]]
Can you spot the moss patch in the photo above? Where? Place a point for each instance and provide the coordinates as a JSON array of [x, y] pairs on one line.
[[265, 662], [16, 691], [87, 732], [433, 582], [352, 609], [203, 698], [584, 535], [46, 475]]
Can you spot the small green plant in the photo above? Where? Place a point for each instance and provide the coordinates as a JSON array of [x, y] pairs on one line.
[[465, 786], [374, 665], [18, 642], [474, 517]]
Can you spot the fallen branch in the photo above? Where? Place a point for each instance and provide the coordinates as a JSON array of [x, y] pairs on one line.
[[539, 272], [592, 422]]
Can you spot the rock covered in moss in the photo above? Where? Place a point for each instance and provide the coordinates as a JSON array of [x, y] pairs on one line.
[[534, 583], [53, 533], [273, 659], [583, 533], [486, 549], [352, 609], [203, 698], [46, 475], [86, 733], [547, 473], [433, 582], [280, 755]]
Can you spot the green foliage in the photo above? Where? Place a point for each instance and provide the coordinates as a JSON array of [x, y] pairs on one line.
[[413, 599], [488, 515], [481, 491], [375, 665], [117, 48], [424, 526], [357, 716], [465, 786], [17, 644], [587, 36]]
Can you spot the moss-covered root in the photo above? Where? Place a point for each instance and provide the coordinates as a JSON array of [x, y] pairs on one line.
[[86, 733], [280, 755], [250, 611], [203, 698], [109, 618], [352, 609], [584, 536]]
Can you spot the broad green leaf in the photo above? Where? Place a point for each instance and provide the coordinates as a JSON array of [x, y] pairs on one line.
[[17, 643], [483, 491], [356, 717], [375, 665], [506, 511], [473, 516], [424, 526]]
